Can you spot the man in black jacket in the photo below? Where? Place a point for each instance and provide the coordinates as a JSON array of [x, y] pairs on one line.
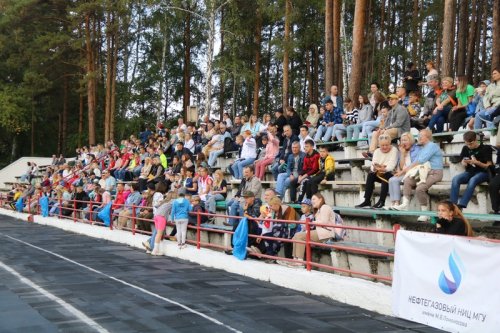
[[280, 122], [286, 149]]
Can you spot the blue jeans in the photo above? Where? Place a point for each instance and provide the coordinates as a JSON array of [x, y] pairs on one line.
[[369, 127], [212, 157], [353, 131], [472, 180], [340, 131], [319, 132], [282, 184], [211, 201], [439, 119], [328, 134], [483, 116], [234, 209], [238, 166]]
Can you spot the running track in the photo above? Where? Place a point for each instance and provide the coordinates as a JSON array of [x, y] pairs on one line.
[[56, 281]]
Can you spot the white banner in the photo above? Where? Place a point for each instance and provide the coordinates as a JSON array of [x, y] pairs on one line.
[[451, 283]]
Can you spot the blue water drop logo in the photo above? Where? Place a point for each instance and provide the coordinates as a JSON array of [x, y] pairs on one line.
[[450, 286]]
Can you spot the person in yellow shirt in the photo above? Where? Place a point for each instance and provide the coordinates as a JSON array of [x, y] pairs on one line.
[[326, 172]]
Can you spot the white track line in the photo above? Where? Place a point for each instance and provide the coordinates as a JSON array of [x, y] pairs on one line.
[[75, 312], [185, 307]]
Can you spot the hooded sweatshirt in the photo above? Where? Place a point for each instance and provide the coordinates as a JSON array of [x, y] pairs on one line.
[[180, 209]]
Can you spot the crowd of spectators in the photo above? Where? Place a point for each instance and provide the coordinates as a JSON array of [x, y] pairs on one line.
[[164, 175]]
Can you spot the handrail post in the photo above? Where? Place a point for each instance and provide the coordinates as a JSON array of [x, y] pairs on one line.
[[29, 205], [198, 231], [74, 210], [395, 229], [308, 244], [38, 207], [91, 209], [111, 218], [60, 208], [133, 220]]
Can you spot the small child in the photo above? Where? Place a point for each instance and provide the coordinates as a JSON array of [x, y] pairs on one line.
[[417, 119], [197, 207], [180, 214], [306, 209]]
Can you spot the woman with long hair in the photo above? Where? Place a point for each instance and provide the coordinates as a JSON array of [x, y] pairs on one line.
[[365, 114], [451, 221]]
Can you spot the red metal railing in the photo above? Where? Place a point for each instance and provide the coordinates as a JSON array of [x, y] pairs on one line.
[[78, 215]]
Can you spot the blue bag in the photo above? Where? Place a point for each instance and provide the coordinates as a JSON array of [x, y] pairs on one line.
[[44, 206], [240, 240], [104, 214], [19, 205]]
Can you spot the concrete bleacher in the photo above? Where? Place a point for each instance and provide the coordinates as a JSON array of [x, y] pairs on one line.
[[348, 190]]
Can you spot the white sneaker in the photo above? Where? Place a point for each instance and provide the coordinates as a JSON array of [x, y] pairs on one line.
[[423, 218]]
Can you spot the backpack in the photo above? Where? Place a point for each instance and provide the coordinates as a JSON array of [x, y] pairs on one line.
[[343, 233]]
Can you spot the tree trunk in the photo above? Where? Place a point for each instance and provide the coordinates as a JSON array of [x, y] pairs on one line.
[[13, 153], [210, 58], [480, 12], [381, 39], [187, 64], [91, 87], [64, 124], [309, 77], [495, 52], [337, 78], [286, 56], [448, 37], [471, 42], [267, 91], [415, 32], [256, 76], [32, 128], [329, 47], [80, 121], [316, 74], [484, 33], [159, 108], [112, 110], [222, 79], [462, 37], [59, 133], [109, 73], [357, 49]]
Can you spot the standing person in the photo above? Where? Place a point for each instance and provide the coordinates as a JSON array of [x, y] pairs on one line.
[[477, 160], [180, 214], [272, 149], [451, 221], [411, 77], [431, 72], [323, 215], [280, 122], [383, 164], [247, 155], [408, 152], [431, 153]]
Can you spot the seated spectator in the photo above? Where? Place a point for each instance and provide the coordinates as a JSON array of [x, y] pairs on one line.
[[201, 162], [205, 182], [382, 168], [323, 215], [250, 208], [451, 220], [286, 149], [398, 122], [108, 182], [408, 152], [131, 203], [494, 188], [236, 128], [491, 101], [189, 143], [157, 171], [444, 102], [370, 125], [335, 118], [349, 117], [278, 230], [293, 120], [372, 95], [365, 114], [312, 119], [218, 192], [310, 168], [186, 161], [289, 178], [247, 155], [403, 98], [326, 121], [477, 160], [478, 105], [227, 121], [280, 122], [415, 111], [303, 137], [249, 183], [433, 170], [144, 175], [198, 206], [326, 172], [266, 121], [272, 149], [464, 108], [253, 126], [215, 147]]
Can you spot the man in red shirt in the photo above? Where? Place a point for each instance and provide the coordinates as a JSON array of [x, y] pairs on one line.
[[310, 168]]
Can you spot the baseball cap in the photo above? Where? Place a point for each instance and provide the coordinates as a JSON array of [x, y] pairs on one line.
[[306, 202]]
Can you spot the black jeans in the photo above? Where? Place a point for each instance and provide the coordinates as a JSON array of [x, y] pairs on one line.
[[313, 183], [370, 185], [494, 189]]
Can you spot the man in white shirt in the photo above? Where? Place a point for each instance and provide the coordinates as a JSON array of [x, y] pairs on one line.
[[303, 137]]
